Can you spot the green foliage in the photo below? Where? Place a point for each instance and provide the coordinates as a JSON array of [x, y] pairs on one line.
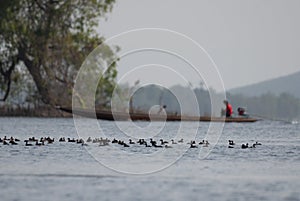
[[52, 38], [106, 87]]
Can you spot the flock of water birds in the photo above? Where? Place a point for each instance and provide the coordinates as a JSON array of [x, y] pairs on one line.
[[33, 141]]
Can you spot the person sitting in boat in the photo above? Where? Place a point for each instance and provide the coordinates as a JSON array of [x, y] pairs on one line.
[[242, 112], [229, 110], [161, 109]]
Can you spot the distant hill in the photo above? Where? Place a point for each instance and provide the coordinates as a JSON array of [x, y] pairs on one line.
[[289, 84]]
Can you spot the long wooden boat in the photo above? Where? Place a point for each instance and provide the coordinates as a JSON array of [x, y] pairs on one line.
[[120, 116]]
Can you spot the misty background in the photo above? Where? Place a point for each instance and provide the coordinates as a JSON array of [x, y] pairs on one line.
[[250, 41], [254, 44]]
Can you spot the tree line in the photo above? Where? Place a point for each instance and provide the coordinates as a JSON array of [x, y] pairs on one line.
[[43, 44], [283, 106]]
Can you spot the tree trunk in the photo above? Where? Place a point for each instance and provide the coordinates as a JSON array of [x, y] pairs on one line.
[[43, 85]]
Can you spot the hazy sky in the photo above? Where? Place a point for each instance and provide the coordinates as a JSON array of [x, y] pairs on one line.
[[249, 40]]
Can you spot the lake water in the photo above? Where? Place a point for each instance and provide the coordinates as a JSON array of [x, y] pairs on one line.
[[69, 171]]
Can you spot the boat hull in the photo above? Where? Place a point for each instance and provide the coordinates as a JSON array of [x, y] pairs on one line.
[[120, 116]]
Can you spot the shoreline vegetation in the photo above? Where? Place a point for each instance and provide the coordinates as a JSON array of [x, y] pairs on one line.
[[41, 111], [285, 106]]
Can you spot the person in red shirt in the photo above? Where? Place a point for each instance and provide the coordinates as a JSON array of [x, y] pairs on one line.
[[229, 110]]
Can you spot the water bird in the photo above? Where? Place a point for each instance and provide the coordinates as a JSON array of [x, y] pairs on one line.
[[79, 141], [253, 146], [125, 145], [202, 142], [71, 140], [244, 146], [114, 141], [152, 142], [89, 139], [257, 143], [50, 141], [39, 144], [13, 142], [192, 142], [163, 142], [32, 139], [157, 146], [131, 142], [206, 144], [180, 141], [231, 142], [193, 145], [168, 146], [5, 143], [14, 139], [27, 143], [141, 141], [62, 139], [173, 142]]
